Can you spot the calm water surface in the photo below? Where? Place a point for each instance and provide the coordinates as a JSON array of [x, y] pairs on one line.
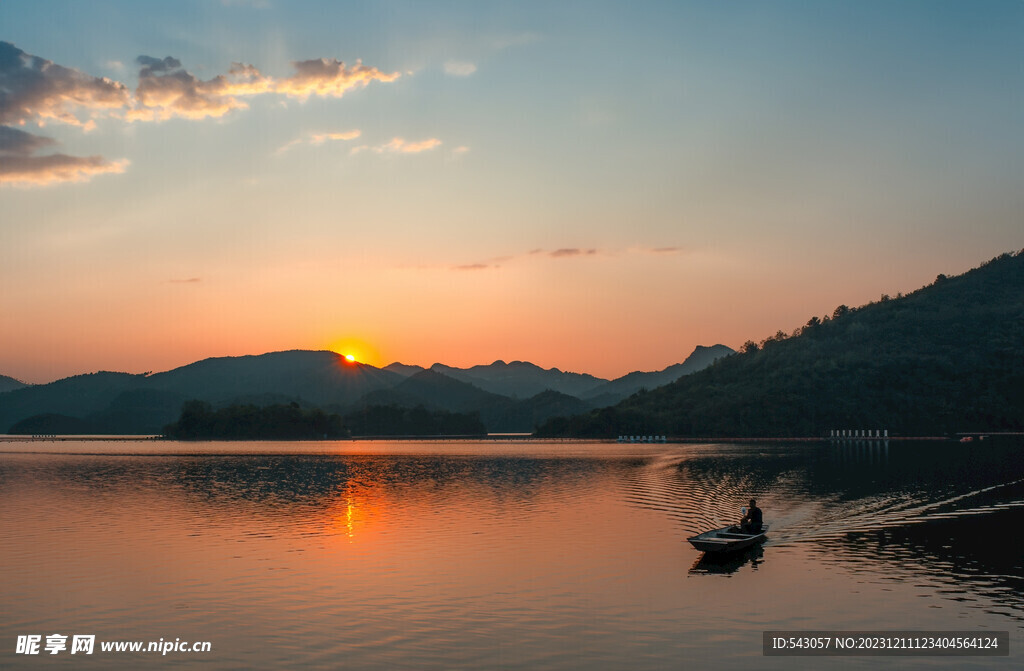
[[521, 555]]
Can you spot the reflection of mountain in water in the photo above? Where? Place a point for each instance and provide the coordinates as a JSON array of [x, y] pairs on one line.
[[318, 479], [276, 484], [935, 511]]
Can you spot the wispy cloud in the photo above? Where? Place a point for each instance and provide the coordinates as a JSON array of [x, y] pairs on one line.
[[20, 166], [316, 139], [562, 253], [167, 90], [329, 77], [459, 68], [571, 251], [539, 254], [498, 261], [320, 138], [53, 168], [399, 145], [187, 280]]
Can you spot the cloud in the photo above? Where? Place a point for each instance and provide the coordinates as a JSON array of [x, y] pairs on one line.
[[571, 251], [42, 170], [35, 89], [459, 68], [167, 90], [320, 138], [398, 145], [329, 77], [32, 88], [500, 261], [494, 262], [567, 253], [657, 251], [20, 167], [189, 280], [14, 142], [316, 139]]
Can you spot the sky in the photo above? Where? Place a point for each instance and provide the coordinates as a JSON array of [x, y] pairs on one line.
[[594, 186]]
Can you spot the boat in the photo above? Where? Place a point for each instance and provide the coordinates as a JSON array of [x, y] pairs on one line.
[[727, 539]]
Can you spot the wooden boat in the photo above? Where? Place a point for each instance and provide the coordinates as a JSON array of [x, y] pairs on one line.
[[726, 539]]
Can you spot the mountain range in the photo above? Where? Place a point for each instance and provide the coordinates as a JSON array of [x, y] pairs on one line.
[[509, 397], [945, 359], [10, 384]]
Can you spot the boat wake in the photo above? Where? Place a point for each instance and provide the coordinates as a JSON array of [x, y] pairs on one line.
[[696, 503], [703, 489], [838, 519]]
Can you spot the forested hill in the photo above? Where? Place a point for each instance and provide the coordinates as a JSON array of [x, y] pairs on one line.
[[946, 358], [9, 383]]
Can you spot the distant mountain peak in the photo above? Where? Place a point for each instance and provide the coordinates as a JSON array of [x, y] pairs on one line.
[[10, 383], [620, 388], [405, 370]]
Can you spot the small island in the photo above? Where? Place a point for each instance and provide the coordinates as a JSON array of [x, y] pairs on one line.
[[199, 420]]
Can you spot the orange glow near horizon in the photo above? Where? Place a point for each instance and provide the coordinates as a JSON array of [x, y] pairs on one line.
[[281, 204], [356, 350]]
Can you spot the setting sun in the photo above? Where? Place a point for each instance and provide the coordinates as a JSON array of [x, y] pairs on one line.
[[355, 350]]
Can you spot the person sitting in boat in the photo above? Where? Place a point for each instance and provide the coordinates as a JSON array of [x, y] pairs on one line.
[[752, 521]]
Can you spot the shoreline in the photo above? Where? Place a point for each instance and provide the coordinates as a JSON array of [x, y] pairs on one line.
[[980, 435]]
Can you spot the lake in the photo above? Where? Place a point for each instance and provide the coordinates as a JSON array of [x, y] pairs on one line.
[[490, 554]]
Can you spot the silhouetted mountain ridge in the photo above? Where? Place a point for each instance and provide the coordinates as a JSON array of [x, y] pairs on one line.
[[402, 369], [511, 396], [520, 379], [10, 384], [320, 378], [947, 358], [627, 385]]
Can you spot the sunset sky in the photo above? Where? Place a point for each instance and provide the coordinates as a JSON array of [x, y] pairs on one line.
[[594, 186]]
